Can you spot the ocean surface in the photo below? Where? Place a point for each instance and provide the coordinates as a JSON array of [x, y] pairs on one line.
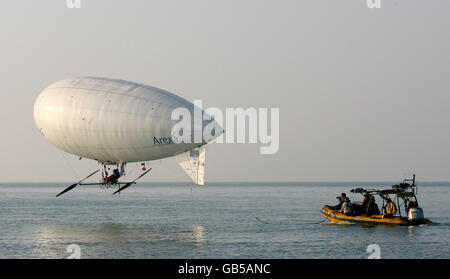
[[171, 220]]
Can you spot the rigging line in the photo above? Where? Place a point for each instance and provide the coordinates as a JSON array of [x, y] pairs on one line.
[[318, 222], [68, 163], [287, 224], [262, 221], [161, 162], [177, 170]]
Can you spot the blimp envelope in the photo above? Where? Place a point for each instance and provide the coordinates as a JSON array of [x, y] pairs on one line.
[[113, 121]]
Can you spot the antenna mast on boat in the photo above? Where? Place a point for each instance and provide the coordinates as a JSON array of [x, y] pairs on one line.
[[413, 180]]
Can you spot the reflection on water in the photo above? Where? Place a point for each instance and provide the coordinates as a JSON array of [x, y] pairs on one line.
[[198, 233], [51, 241], [411, 231]]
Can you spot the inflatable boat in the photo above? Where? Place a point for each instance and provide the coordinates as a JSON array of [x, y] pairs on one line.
[[403, 209]]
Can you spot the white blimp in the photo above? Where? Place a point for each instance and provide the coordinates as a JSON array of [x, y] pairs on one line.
[[116, 122]]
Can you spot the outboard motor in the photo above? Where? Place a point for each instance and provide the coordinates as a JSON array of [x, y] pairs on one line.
[[415, 215]]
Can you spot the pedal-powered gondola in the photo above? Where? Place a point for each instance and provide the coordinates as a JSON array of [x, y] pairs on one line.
[[107, 181]]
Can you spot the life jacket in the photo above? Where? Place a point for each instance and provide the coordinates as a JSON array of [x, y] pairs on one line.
[[391, 209]]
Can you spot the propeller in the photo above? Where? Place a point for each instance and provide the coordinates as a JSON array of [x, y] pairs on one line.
[[129, 183], [76, 184]]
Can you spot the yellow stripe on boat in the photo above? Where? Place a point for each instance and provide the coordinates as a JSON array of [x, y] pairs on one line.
[[339, 217]]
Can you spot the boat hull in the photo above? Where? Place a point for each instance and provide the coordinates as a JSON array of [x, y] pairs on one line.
[[335, 216]]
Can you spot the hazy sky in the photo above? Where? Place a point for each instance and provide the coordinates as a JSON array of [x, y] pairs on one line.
[[364, 94]]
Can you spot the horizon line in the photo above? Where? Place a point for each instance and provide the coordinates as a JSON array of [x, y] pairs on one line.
[[273, 181]]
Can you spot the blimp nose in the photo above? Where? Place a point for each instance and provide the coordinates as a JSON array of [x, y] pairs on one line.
[[211, 129]]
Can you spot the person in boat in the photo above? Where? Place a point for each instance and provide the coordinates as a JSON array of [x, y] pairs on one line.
[[390, 209], [346, 207], [341, 201], [365, 202], [411, 204], [372, 207]]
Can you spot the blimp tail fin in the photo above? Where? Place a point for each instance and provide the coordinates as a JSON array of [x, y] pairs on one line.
[[193, 163]]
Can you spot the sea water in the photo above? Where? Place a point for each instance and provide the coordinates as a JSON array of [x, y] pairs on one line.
[[218, 220]]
